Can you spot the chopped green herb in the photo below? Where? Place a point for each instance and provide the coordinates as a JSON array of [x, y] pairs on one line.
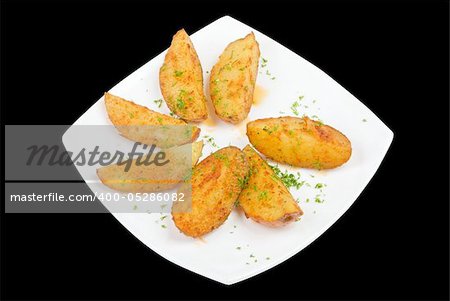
[[243, 182], [262, 195], [289, 180], [222, 158], [210, 140], [264, 62], [215, 91], [178, 73], [131, 115], [158, 102], [317, 199], [294, 108], [180, 103], [364, 120], [317, 165], [270, 130], [238, 248], [163, 226]]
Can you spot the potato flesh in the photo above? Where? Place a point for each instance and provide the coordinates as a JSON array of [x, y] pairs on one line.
[[233, 78], [300, 142], [181, 80], [215, 189], [138, 123], [265, 198], [151, 178]]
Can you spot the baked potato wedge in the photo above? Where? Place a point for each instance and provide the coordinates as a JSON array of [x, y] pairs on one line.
[[181, 80], [265, 199], [233, 79], [300, 142], [151, 178], [140, 124], [215, 187]]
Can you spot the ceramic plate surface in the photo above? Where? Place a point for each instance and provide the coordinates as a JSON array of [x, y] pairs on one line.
[[241, 248]]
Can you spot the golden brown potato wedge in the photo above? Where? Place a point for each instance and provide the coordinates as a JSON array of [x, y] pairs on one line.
[[265, 199], [181, 80], [141, 124], [299, 142], [215, 189], [233, 79], [151, 178]]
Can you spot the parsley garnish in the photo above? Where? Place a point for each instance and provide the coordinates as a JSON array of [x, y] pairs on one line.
[[262, 195], [289, 180], [294, 108], [158, 102], [178, 73], [211, 141], [180, 103], [264, 62]]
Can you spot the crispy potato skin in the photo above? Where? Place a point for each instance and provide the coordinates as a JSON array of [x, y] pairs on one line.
[[300, 142], [181, 80], [265, 199], [233, 78], [128, 116], [215, 188], [141, 178]]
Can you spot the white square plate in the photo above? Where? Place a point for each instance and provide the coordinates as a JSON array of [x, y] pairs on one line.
[[241, 248]]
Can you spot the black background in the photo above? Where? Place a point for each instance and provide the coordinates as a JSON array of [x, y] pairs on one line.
[[57, 58]]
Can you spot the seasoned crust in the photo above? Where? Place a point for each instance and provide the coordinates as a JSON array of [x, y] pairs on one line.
[[131, 120], [265, 199], [233, 79], [181, 80], [215, 189], [300, 142]]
